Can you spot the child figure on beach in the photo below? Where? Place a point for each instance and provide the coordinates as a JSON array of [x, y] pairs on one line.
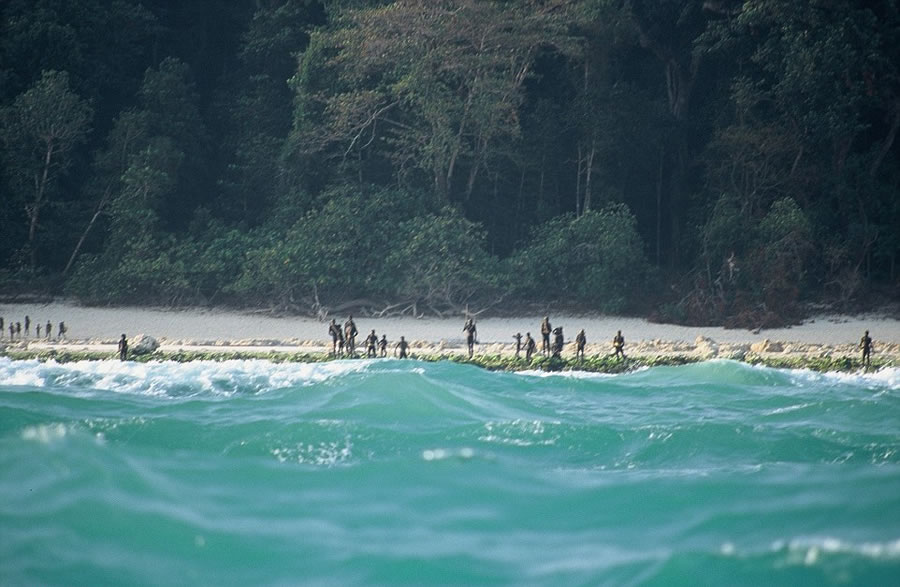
[[49, 329], [619, 345], [382, 345], [37, 330], [865, 343], [518, 337]]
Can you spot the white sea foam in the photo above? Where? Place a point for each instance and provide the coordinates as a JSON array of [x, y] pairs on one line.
[[887, 377], [172, 378], [567, 374], [45, 433], [808, 550]]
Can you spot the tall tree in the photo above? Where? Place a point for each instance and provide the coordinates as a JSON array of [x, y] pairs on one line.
[[430, 86], [39, 131]]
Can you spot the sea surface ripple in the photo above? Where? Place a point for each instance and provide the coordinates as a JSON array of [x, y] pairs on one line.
[[386, 472]]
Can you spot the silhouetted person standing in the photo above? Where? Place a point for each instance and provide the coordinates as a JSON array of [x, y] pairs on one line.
[[27, 325], [123, 349], [518, 337], [470, 331], [371, 341], [37, 330], [12, 331], [619, 345], [61, 331], [335, 331], [49, 329], [580, 341], [530, 346], [382, 345], [19, 330], [402, 346], [865, 343], [558, 341], [545, 333], [350, 333], [1, 326]]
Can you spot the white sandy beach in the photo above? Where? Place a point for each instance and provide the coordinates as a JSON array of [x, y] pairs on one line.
[[89, 326]]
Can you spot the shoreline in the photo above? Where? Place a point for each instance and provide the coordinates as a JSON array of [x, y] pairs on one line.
[[602, 363], [94, 333]]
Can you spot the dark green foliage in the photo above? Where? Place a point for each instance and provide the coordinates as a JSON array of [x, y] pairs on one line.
[[426, 155], [595, 259]]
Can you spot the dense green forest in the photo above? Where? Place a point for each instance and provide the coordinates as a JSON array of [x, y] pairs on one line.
[[705, 161]]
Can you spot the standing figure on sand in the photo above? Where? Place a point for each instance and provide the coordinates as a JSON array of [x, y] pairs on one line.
[[382, 345], [518, 337], [334, 330], [123, 348], [371, 342], [619, 345], [471, 332], [865, 343], [401, 346], [580, 341], [545, 334], [530, 346], [350, 333], [558, 341]]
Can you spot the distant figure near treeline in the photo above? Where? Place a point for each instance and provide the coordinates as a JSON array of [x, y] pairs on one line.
[[123, 348], [865, 343], [49, 329]]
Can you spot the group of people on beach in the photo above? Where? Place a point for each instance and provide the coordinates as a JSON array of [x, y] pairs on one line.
[[555, 348], [343, 340], [20, 331]]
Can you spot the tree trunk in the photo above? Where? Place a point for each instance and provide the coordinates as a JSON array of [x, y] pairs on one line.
[[87, 229], [587, 179], [888, 141], [35, 210], [659, 186], [578, 184]]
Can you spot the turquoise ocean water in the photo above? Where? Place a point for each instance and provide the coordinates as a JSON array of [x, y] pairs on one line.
[[399, 472]]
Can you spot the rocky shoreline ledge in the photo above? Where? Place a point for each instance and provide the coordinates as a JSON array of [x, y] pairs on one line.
[[497, 356]]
